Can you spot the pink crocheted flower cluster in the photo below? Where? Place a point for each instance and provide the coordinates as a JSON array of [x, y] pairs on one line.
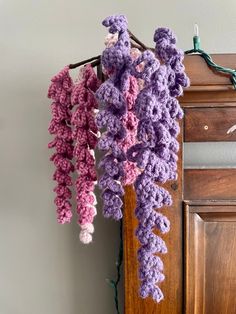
[[60, 92], [85, 135]]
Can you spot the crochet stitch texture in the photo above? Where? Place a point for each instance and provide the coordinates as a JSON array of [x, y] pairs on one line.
[[156, 153], [115, 60], [60, 126], [85, 135], [138, 118], [130, 121], [65, 94]]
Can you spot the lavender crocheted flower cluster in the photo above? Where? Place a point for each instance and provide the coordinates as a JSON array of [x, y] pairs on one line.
[[156, 154], [130, 120], [130, 123], [60, 91], [172, 56], [115, 60]]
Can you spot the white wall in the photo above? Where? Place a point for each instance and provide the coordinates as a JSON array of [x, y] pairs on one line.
[[43, 267]]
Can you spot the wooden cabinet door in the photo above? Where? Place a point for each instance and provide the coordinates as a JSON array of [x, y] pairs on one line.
[[210, 255]]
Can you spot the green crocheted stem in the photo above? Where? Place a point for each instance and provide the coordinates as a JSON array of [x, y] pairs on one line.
[[210, 62]]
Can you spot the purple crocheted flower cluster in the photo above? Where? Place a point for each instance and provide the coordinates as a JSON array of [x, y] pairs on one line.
[[115, 60], [173, 57], [60, 91], [139, 118], [156, 154], [130, 122]]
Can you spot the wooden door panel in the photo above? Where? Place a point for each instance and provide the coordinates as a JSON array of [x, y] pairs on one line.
[[210, 254], [210, 124], [209, 184]]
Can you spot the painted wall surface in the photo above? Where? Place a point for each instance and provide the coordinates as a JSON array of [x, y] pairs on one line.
[[43, 266]]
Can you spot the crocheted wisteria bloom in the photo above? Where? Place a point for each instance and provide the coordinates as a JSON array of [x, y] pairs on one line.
[[60, 126], [130, 121], [177, 79], [116, 61], [85, 135], [139, 113], [156, 154]]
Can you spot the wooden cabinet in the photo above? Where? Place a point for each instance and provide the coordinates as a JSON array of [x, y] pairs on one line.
[[200, 264], [210, 238]]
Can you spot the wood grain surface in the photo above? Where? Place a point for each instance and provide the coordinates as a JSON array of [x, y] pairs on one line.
[[210, 184], [210, 253], [200, 74], [210, 124]]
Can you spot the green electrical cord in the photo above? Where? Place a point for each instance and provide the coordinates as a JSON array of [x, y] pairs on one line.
[[114, 283], [209, 61]]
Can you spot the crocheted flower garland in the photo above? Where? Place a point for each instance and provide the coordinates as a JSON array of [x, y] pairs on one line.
[[60, 91], [156, 155], [115, 60], [130, 121], [152, 138], [140, 113], [85, 135]]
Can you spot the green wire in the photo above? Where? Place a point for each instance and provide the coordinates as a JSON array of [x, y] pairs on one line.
[[114, 283], [197, 50]]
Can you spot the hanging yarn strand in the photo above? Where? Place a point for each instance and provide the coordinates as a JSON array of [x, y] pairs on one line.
[[177, 79], [85, 134], [148, 155], [60, 126], [173, 58], [129, 120], [115, 60], [156, 154]]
